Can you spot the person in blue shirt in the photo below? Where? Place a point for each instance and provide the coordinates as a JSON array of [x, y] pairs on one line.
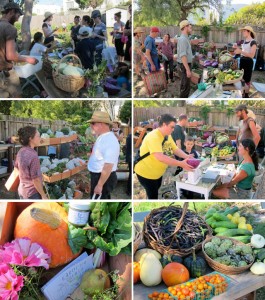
[[189, 146], [123, 78], [151, 52]]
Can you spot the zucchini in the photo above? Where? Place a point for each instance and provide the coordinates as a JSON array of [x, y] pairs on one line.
[[220, 217], [209, 221], [235, 232], [227, 224], [220, 229], [210, 213], [243, 238], [231, 211]]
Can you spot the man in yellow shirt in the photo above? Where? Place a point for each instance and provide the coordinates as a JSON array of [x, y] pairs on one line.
[[151, 169]]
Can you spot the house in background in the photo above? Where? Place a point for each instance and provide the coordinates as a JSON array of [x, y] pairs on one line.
[[110, 15], [40, 9]]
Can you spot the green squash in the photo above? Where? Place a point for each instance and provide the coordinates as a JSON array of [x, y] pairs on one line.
[[196, 265], [166, 259]]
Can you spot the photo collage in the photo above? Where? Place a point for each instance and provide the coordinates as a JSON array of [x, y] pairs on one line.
[[132, 150]]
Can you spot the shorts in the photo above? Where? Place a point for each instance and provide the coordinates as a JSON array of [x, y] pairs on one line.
[[238, 193], [10, 85]]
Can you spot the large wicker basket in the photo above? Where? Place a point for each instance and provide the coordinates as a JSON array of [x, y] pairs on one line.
[[68, 83], [223, 268], [155, 243], [47, 67], [138, 236]]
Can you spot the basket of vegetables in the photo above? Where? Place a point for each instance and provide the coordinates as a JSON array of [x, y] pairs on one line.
[[138, 236], [225, 57], [227, 255], [233, 76], [47, 65], [175, 230], [68, 74]]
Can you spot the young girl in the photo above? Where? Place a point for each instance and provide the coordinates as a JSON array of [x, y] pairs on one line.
[[37, 48]]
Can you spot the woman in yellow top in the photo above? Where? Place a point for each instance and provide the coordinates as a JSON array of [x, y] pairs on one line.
[[151, 169]]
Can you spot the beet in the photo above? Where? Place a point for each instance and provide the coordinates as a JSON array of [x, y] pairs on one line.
[[193, 162], [206, 135], [111, 89]]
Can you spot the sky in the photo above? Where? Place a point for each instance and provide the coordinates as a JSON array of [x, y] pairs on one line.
[[55, 2], [247, 2]]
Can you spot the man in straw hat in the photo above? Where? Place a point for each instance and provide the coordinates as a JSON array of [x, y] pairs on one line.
[[9, 80], [184, 57], [85, 48], [138, 55], [47, 28], [103, 161], [248, 52], [151, 53]]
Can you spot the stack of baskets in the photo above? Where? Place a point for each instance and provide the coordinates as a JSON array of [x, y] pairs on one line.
[[68, 83], [230, 63]]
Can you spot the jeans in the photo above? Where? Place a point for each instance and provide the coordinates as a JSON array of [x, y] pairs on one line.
[[151, 186], [34, 196], [169, 64], [185, 82], [108, 186]]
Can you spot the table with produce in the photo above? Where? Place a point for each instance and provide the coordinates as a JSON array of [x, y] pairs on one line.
[[182, 254], [55, 251], [217, 77]]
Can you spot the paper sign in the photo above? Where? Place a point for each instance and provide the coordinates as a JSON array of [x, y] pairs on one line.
[[66, 281]]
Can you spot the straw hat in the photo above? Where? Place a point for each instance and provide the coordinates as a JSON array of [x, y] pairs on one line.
[[183, 24], [249, 28], [138, 30], [47, 15], [116, 121], [100, 117]]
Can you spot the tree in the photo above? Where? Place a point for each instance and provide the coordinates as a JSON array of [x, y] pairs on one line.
[[89, 3], [110, 107], [253, 14], [168, 12], [25, 28], [5, 107], [125, 113]]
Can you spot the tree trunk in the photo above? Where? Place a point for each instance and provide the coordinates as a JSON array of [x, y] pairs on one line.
[[25, 27]]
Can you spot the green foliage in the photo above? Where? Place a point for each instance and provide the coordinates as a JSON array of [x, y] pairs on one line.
[[89, 3], [5, 107], [204, 111], [205, 31], [253, 14], [125, 112], [159, 103]]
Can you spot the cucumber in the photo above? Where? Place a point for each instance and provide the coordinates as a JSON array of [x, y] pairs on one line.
[[227, 224], [231, 211], [210, 212], [235, 232], [210, 221], [220, 217], [220, 229], [243, 238]]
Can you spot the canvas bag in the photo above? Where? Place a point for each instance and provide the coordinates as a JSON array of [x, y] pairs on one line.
[[109, 54], [12, 182], [155, 82]]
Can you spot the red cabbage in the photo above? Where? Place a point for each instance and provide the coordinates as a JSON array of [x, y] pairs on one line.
[[193, 162]]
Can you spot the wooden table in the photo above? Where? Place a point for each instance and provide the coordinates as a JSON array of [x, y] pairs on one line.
[[241, 285], [54, 92]]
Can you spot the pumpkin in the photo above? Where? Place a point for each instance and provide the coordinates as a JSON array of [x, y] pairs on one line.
[[47, 224], [175, 273], [136, 272], [195, 264], [166, 259]]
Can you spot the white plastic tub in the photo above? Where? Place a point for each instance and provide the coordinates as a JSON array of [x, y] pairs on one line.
[[25, 71]]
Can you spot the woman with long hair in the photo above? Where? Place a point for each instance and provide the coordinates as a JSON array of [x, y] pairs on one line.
[[28, 165], [118, 28], [47, 28], [241, 184]]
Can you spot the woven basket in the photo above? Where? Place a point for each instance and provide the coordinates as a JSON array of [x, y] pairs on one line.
[[138, 236], [220, 57], [155, 243], [235, 80], [220, 267], [227, 156], [47, 67], [68, 83]]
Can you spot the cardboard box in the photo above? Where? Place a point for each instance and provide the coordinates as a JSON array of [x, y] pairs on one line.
[[52, 178]]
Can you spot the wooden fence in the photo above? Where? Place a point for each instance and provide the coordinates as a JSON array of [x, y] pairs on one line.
[[215, 117], [217, 35], [9, 125]]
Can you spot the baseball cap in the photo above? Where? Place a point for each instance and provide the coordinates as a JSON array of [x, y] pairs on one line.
[[84, 31], [95, 13], [154, 29], [183, 24], [241, 107], [12, 5]]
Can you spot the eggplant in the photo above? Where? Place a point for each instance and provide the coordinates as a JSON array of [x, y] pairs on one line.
[[215, 64], [111, 89], [205, 145], [111, 80], [212, 145]]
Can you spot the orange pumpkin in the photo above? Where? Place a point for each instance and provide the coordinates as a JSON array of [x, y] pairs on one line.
[[136, 271], [47, 224], [175, 273]]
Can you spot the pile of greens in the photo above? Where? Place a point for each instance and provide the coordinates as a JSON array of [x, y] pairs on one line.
[[109, 229]]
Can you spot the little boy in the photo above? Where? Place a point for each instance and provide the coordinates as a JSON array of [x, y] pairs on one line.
[[189, 146]]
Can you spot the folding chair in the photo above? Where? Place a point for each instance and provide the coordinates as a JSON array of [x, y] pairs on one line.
[[260, 88], [138, 135]]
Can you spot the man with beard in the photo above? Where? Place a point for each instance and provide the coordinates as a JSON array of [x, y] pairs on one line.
[[9, 80], [184, 58], [248, 128]]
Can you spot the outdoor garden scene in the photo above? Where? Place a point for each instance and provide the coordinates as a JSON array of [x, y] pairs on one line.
[[203, 49], [199, 149], [199, 250], [68, 49], [65, 250], [47, 148]]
